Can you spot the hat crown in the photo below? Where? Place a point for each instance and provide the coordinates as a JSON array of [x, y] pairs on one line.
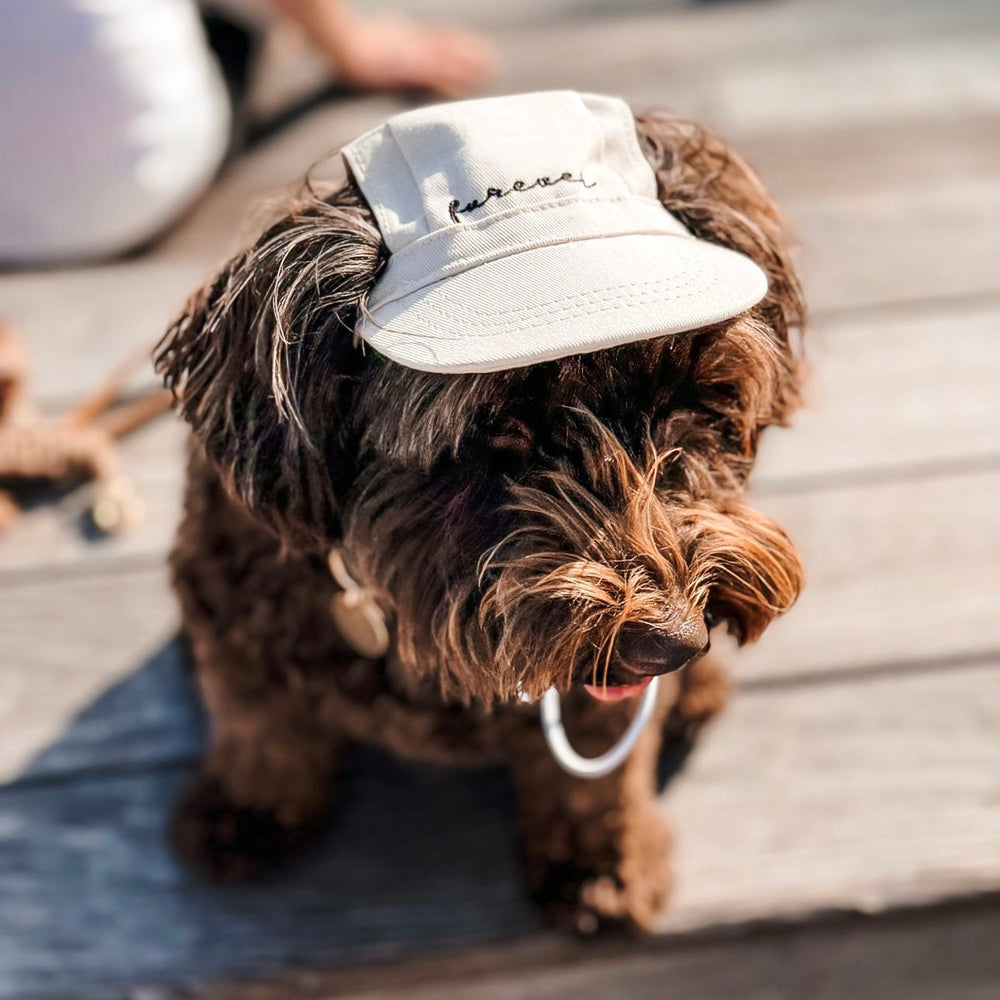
[[466, 162], [526, 228]]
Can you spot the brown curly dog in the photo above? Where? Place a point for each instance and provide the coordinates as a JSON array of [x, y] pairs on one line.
[[572, 522]]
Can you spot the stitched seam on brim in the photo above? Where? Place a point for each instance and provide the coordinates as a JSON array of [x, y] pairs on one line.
[[495, 320], [673, 294], [492, 314], [464, 266]]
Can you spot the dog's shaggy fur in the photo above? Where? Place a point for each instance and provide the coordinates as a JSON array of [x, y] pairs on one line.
[[549, 525]]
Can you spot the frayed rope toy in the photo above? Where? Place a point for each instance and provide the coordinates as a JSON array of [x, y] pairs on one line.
[[78, 447]]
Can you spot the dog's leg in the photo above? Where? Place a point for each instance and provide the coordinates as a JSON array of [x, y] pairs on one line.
[[264, 787], [597, 852], [265, 653], [704, 690]]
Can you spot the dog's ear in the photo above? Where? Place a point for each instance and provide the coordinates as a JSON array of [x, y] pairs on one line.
[[261, 361], [747, 564], [720, 198]]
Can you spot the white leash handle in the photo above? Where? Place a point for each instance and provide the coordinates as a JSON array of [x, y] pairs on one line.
[[593, 767]]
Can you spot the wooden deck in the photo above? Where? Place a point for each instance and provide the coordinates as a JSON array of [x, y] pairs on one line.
[[858, 769]]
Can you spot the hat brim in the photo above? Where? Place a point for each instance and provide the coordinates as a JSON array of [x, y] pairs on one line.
[[569, 298]]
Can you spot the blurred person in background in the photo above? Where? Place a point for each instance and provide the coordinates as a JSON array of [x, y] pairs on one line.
[[115, 114]]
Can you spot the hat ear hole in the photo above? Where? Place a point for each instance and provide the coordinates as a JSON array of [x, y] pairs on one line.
[[259, 361]]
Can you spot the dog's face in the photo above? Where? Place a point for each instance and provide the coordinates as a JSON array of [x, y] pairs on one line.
[[573, 521]]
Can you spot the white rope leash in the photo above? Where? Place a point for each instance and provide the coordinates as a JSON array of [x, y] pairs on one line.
[[593, 767]]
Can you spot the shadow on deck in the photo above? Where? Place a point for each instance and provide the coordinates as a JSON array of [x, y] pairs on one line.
[[415, 857]]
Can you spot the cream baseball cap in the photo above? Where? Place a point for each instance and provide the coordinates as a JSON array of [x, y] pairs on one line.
[[526, 228]]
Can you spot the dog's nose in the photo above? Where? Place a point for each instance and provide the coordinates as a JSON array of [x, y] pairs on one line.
[[647, 651]]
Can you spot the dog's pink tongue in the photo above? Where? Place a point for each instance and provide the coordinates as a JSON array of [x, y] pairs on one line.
[[616, 693]]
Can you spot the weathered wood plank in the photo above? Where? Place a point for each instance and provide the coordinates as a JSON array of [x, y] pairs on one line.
[[64, 647], [856, 795], [915, 245], [898, 573], [916, 388], [879, 60], [868, 794], [884, 79], [100, 721], [94, 901], [757, 84], [845, 160], [948, 954]]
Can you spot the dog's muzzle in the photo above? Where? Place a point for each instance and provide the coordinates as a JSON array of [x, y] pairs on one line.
[[362, 625]]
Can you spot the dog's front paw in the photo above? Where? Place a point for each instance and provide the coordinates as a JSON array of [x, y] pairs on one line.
[[228, 841], [627, 890], [606, 902], [589, 904]]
